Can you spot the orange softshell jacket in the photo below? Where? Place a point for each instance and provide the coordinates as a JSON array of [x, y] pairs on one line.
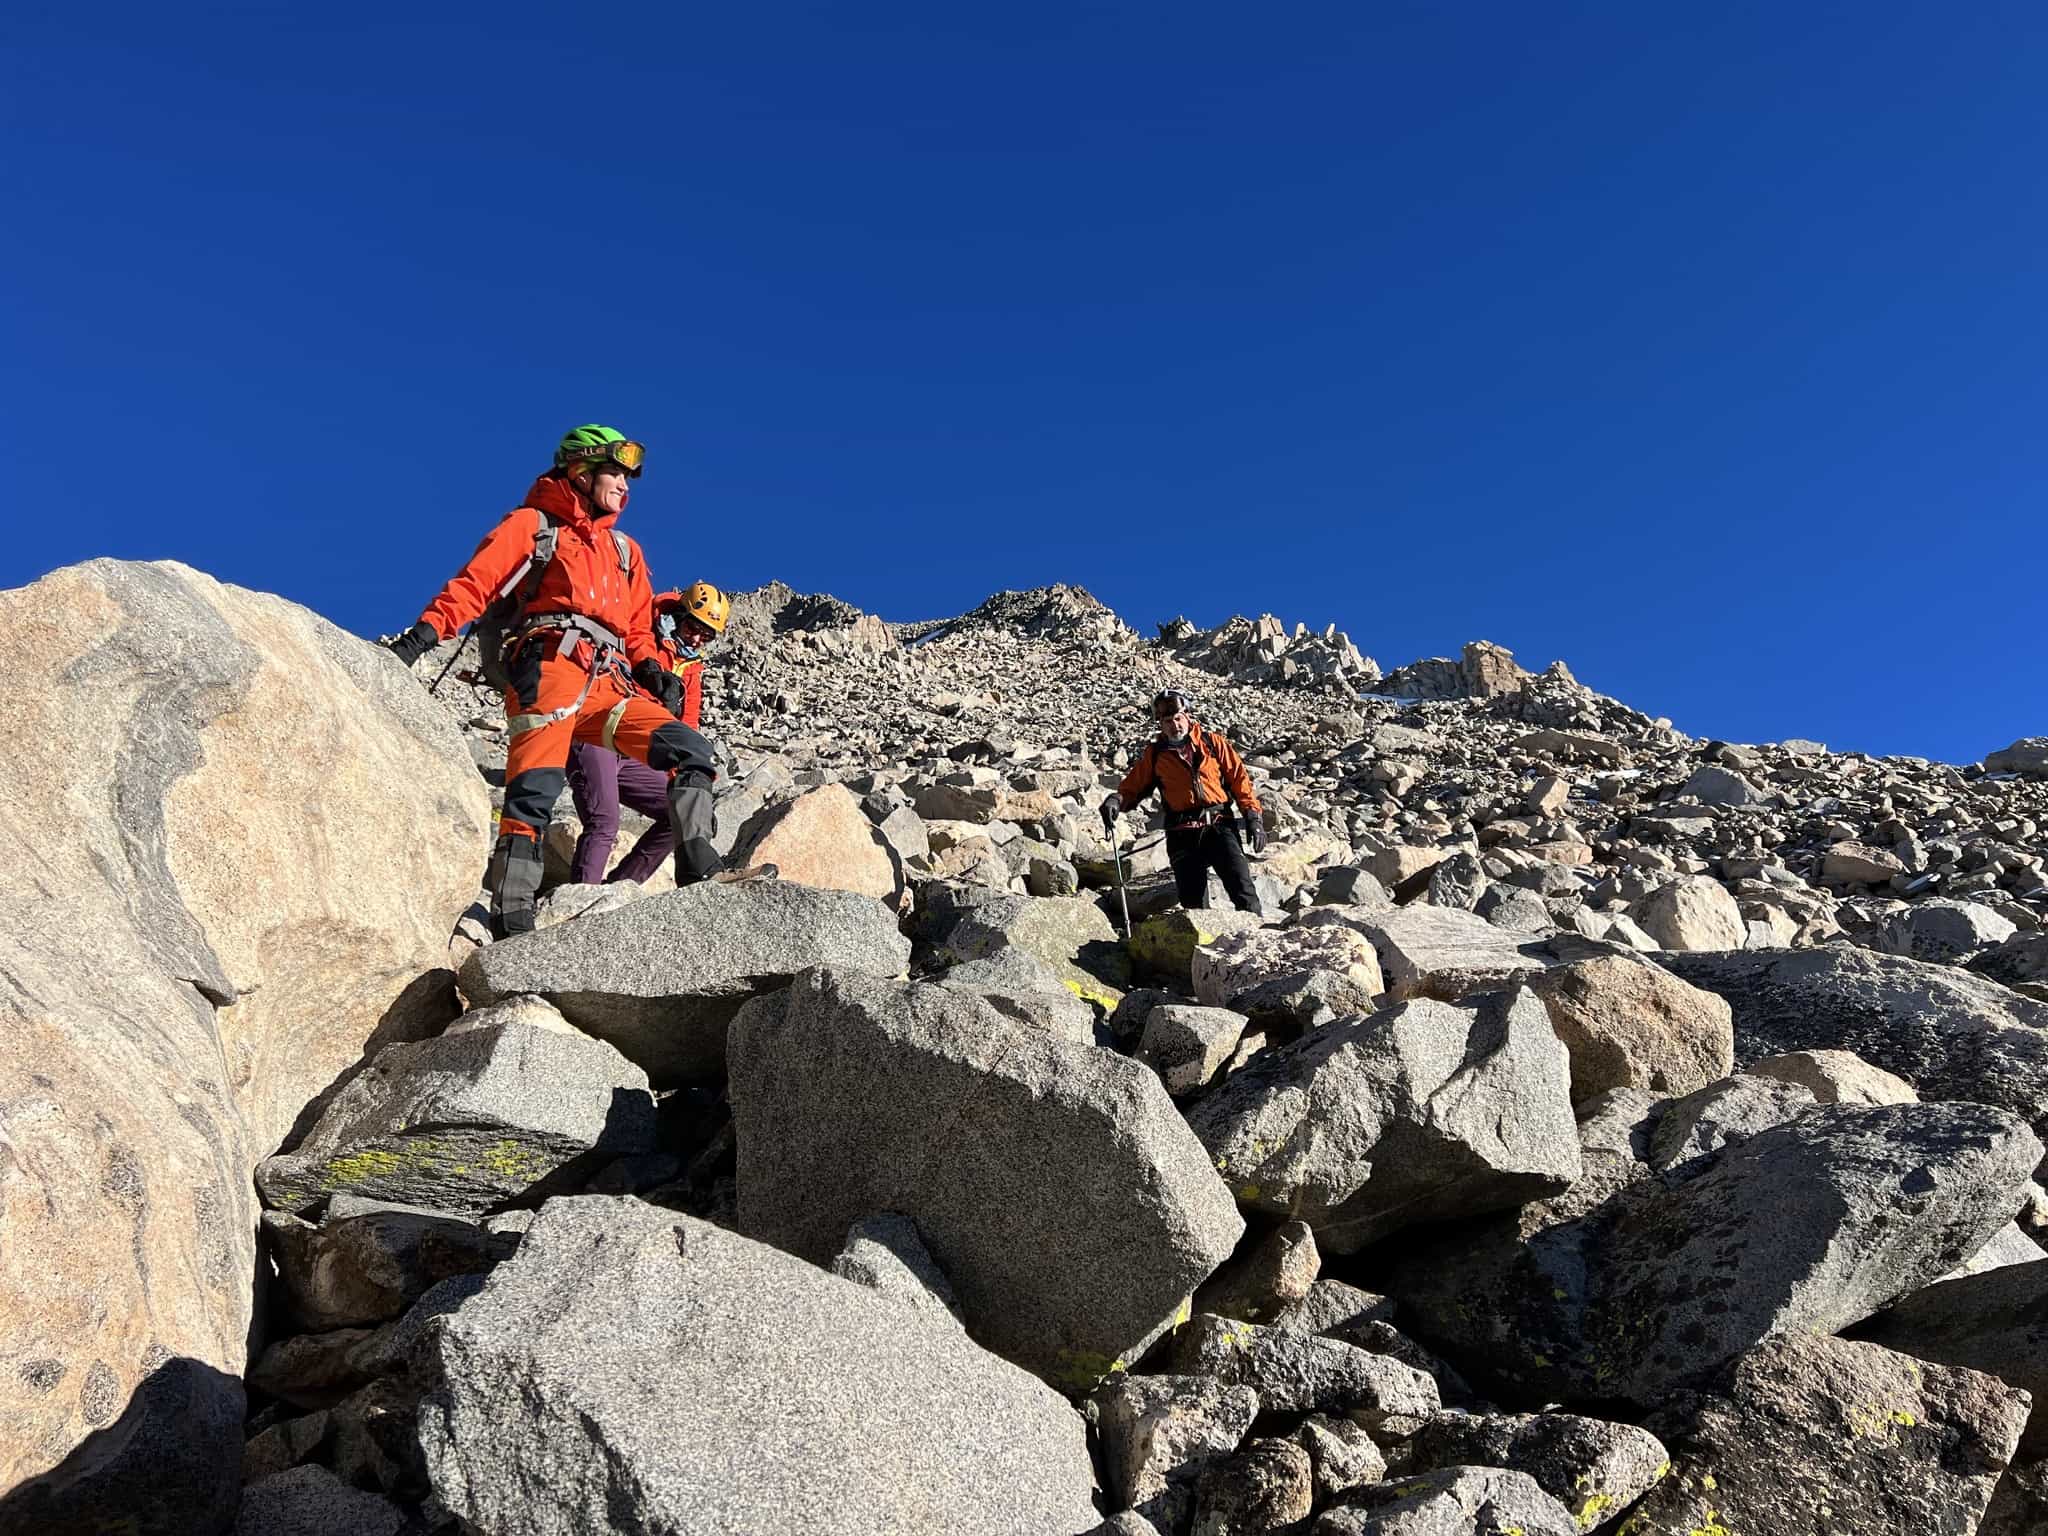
[[691, 670], [1216, 764], [583, 578]]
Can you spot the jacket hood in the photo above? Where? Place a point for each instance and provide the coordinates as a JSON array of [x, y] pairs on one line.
[[558, 499]]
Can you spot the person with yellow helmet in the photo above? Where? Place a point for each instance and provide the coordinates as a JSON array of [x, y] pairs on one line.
[[601, 781], [565, 596]]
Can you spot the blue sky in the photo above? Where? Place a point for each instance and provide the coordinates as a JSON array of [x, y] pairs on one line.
[[1702, 347]]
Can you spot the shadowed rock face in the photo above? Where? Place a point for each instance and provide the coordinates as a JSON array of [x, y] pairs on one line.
[[1996, 1321], [1809, 1436], [1951, 1034], [164, 1462], [1811, 1225], [234, 840]]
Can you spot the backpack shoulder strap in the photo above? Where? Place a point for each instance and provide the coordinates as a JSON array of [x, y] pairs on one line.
[[526, 580], [625, 546], [545, 534]]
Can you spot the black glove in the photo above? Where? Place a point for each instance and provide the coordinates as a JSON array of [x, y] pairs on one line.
[[1111, 809], [414, 643], [666, 687], [1254, 829]]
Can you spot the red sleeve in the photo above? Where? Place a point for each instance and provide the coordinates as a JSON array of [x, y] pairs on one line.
[[639, 635], [505, 551], [692, 674], [1138, 782]]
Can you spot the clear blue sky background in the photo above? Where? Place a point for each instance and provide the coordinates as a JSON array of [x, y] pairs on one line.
[[1701, 346]]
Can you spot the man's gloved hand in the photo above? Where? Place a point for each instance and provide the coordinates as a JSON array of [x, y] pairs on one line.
[[414, 643], [1254, 829], [666, 687], [1112, 807]]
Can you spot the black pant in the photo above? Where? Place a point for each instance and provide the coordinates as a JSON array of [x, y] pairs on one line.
[[1195, 852]]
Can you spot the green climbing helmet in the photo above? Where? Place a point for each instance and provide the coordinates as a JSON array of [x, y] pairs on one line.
[[596, 444]]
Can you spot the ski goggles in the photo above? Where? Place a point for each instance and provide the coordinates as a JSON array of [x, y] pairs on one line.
[[628, 456]]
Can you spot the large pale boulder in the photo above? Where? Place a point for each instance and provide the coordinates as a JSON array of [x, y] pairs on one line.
[[1630, 1024], [821, 838], [1069, 933], [2028, 755], [1859, 864], [1711, 784], [1425, 1111], [1023, 987], [1692, 913], [661, 979], [1440, 952], [1394, 863], [1055, 1184], [654, 1372], [1813, 1436], [1163, 946], [1836, 1077], [1241, 970], [237, 838]]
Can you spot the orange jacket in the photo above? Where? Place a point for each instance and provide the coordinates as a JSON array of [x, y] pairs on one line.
[[1186, 787], [584, 577], [691, 670]]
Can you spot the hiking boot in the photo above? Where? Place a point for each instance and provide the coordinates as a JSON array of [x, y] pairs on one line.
[[511, 923], [474, 925]]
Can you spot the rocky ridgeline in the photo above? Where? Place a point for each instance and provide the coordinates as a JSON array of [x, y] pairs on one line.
[[1599, 1131]]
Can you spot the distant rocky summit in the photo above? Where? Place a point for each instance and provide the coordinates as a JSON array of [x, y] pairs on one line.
[[1598, 1129]]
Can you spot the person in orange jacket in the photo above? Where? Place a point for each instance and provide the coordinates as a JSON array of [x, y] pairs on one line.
[[600, 780], [581, 659], [1197, 773]]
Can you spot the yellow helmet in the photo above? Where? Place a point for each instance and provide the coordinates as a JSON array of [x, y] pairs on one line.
[[708, 606]]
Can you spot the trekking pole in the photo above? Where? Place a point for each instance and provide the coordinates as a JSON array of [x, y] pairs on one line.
[[453, 657], [1116, 852]]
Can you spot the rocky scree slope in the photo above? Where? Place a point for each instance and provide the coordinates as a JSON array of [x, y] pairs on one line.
[[1598, 1130]]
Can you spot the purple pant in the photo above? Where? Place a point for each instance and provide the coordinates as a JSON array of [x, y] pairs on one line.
[[599, 779]]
